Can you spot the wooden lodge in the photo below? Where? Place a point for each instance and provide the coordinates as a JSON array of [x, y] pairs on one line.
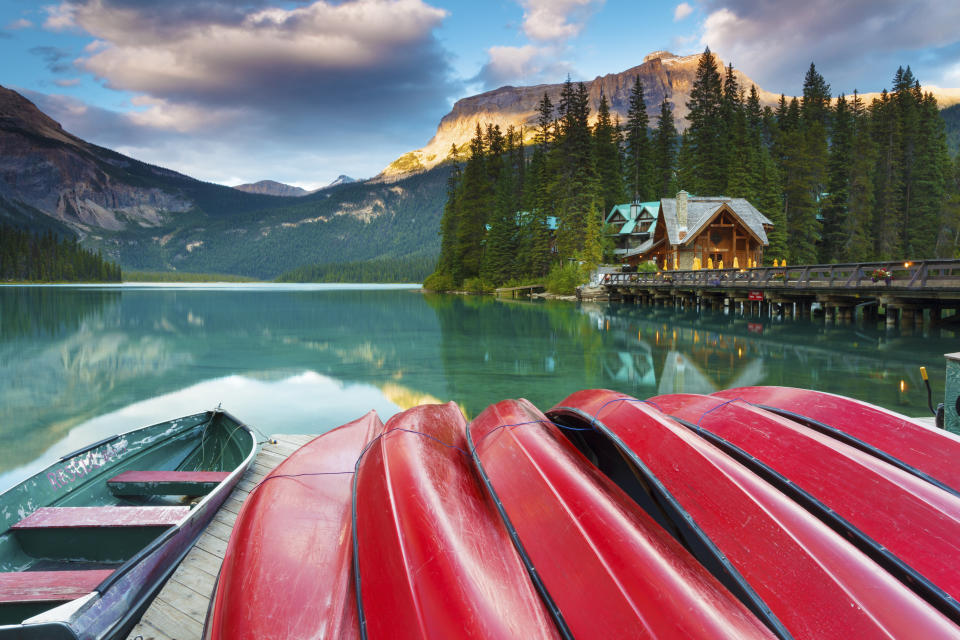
[[632, 224], [692, 232]]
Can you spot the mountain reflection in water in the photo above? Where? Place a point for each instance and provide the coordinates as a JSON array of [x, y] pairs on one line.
[[82, 361]]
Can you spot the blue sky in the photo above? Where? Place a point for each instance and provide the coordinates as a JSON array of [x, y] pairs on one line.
[[234, 91]]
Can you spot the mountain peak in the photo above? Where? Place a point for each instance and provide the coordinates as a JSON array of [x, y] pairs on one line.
[[658, 55], [272, 188], [16, 112], [341, 179]]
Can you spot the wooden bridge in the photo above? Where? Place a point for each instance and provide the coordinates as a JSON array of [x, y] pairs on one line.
[[909, 292]]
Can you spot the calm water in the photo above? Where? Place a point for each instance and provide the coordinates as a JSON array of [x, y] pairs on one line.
[[81, 363]]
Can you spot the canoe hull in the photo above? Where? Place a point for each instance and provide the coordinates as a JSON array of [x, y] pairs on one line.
[[888, 513], [814, 582], [287, 572], [924, 451], [610, 570], [432, 558]]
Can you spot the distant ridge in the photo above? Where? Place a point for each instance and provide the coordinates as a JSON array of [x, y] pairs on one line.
[[272, 188]]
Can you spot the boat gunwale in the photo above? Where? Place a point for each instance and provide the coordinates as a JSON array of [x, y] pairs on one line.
[[895, 566], [680, 517], [198, 510], [855, 442], [226, 484], [538, 584]]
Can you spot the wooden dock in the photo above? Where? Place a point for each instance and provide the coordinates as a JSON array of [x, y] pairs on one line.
[[513, 292], [178, 611]]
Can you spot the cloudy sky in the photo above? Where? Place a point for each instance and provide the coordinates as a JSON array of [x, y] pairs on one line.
[[235, 91]]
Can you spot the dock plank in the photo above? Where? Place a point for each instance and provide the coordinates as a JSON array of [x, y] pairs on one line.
[[178, 611]]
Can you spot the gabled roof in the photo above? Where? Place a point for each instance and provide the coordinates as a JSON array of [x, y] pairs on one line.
[[624, 210], [700, 210]]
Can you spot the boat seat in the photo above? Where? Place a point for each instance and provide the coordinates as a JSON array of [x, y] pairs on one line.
[[162, 483], [100, 517], [93, 534], [49, 586]]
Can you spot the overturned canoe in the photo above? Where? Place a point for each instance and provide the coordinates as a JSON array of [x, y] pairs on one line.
[[888, 513], [814, 582], [89, 540], [926, 452], [287, 572], [432, 559], [608, 568]]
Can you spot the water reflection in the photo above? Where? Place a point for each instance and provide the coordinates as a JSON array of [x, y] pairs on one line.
[[78, 361]]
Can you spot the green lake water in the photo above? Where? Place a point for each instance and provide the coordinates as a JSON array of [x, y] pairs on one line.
[[81, 363]]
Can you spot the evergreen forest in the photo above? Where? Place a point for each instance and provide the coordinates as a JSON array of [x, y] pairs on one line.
[[45, 257], [404, 269], [842, 180]]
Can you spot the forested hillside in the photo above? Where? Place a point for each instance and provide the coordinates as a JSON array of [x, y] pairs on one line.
[[951, 117], [407, 269], [347, 223], [841, 180], [34, 257]]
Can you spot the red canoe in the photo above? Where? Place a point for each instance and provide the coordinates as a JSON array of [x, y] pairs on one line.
[[816, 583], [925, 451], [287, 573], [889, 514], [434, 559], [610, 570]]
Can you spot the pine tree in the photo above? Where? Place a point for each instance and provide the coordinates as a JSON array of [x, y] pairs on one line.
[[475, 205], [638, 162], [665, 153], [451, 217], [927, 234], [575, 183], [907, 98], [706, 134], [606, 142], [835, 204], [888, 178], [859, 246], [796, 167]]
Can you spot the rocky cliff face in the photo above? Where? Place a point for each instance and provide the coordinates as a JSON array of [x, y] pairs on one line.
[[663, 75], [78, 183], [272, 188]]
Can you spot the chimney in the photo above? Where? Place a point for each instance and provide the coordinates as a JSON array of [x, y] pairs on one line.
[[634, 209], [682, 210]]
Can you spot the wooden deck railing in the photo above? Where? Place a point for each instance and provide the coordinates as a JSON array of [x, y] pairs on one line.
[[919, 275]]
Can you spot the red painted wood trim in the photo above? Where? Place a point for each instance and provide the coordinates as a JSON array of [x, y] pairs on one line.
[[169, 476], [83, 517], [51, 586]]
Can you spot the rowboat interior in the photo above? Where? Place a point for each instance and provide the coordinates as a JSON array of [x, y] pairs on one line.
[[72, 528]]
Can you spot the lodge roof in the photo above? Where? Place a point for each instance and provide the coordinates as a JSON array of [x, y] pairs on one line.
[[652, 208], [701, 209]]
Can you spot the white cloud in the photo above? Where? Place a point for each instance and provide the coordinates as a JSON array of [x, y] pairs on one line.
[[67, 82], [508, 65], [22, 23], [183, 118], [320, 37], [59, 17], [682, 11], [855, 43], [556, 20]]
